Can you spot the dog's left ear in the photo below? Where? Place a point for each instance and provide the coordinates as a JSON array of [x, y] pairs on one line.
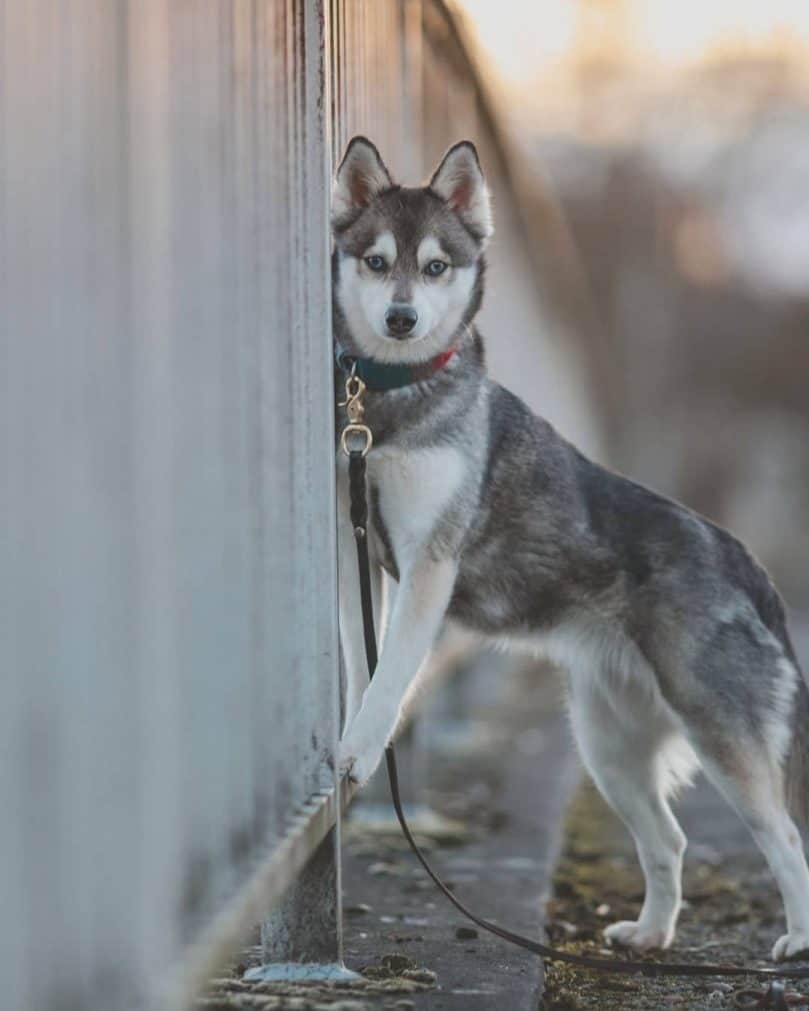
[[459, 180]]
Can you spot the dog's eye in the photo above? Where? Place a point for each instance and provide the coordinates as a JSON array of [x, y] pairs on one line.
[[435, 268], [376, 263]]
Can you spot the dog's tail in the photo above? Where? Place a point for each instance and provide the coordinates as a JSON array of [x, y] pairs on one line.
[[797, 763]]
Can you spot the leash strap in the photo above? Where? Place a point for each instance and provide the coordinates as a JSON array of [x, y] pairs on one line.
[[774, 997]]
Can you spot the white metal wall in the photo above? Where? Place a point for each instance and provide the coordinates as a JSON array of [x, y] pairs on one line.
[[167, 645], [167, 567]]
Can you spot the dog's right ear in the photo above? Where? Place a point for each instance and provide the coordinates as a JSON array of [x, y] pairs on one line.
[[361, 177]]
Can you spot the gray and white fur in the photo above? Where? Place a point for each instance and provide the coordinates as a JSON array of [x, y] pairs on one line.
[[673, 636]]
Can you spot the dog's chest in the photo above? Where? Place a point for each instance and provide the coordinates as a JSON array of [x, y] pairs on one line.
[[411, 493]]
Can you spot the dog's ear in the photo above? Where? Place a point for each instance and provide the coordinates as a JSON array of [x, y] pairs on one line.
[[361, 177], [459, 180]]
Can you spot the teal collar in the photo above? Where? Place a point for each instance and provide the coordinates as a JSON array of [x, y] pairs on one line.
[[380, 377]]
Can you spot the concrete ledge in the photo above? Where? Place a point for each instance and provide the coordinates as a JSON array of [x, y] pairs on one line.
[[248, 906]]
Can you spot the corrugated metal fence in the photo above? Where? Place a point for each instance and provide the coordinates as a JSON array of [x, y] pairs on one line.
[[168, 653]]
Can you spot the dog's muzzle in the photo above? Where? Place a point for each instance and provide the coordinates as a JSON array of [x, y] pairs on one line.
[[400, 320]]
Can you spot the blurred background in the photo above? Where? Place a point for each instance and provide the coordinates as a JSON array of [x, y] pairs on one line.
[[675, 139]]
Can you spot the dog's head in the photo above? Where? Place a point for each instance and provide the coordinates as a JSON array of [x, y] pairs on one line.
[[408, 262]]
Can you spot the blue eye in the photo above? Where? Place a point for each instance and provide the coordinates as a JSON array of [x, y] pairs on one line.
[[376, 263], [435, 268]]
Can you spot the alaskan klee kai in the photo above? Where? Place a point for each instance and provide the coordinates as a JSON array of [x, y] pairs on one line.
[[673, 637]]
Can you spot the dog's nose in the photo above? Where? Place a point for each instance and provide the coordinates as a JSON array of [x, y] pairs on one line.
[[400, 319]]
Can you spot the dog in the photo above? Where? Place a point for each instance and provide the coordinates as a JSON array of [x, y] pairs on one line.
[[673, 637]]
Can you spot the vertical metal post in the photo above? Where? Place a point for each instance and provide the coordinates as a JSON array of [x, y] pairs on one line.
[[411, 88], [302, 936]]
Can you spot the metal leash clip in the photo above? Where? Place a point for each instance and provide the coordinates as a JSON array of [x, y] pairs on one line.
[[355, 409]]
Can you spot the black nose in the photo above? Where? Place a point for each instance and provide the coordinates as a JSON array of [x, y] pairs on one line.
[[400, 319]]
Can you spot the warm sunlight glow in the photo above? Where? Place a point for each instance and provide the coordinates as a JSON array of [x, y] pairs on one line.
[[523, 34], [685, 31], [526, 36]]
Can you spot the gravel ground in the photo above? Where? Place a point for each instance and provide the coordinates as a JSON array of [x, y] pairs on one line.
[[498, 779], [506, 782], [503, 783], [732, 911]]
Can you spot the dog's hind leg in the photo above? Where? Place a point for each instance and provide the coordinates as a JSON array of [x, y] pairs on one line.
[[628, 758], [742, 740]]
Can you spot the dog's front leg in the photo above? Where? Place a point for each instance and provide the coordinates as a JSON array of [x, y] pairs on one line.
[[350, 614], [418, 610]]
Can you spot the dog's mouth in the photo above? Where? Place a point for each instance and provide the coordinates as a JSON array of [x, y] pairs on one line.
[[407, 350], [403, 338]]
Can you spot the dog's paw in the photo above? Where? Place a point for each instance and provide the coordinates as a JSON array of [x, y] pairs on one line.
[[363, 744], [791, 946], [634, 934], [358, 762]]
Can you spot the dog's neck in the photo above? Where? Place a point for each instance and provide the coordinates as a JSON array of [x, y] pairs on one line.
[[384, 376], [381, 377], [416, 411]]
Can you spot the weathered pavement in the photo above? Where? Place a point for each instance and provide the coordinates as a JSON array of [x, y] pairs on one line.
[[508, 786], [732, 912], [505, 772], [500, 767]]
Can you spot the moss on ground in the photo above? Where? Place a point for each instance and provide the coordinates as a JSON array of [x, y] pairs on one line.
[[731, 914]]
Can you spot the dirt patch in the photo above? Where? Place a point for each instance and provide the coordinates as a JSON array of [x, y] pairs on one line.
[[732, 913]]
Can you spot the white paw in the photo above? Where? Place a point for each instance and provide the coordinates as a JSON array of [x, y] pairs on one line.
[[358, 758], [791, 945], [634, 934], [363, 743]]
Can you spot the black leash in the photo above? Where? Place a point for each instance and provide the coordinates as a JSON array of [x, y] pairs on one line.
[[775, 996]]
